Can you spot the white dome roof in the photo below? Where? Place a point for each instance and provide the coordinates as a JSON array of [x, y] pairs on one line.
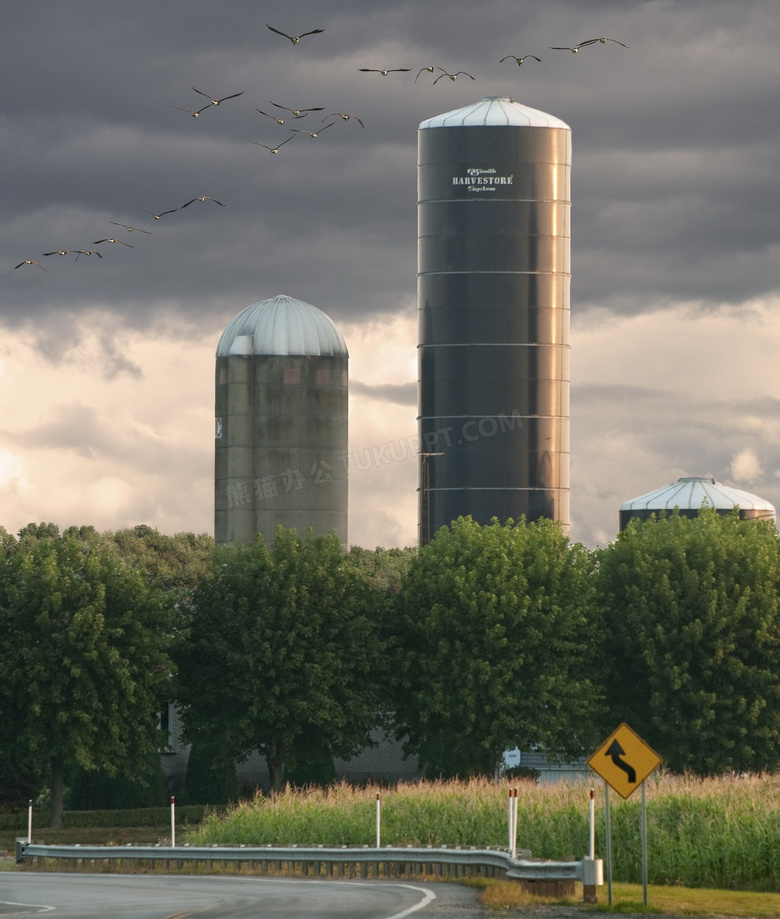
[[282, 325], [500, 111], [693, 492]]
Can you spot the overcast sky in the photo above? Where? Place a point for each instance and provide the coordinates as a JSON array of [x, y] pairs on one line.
[[107, 364]]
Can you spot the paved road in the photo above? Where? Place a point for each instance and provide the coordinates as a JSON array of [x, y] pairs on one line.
[[82, 896]]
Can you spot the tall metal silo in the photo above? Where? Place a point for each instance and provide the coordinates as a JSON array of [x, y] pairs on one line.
[[689, 494], [493, 299], [281, 423]]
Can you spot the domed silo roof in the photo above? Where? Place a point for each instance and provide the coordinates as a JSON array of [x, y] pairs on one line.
[[282, 326], [689, 494], [497, 111]]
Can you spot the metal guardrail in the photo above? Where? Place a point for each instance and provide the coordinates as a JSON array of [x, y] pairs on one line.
[[339, 861]]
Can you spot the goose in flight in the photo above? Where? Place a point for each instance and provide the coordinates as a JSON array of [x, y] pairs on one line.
[[603, 41], [385, 72], [313, 133], [29, 261], [430, 68], [217, 101], [130, 229], [519, 59], [273, 149], [201, 198], [583, 44], [280, 120], [190, 111], [294, 38], [452, 76], [346, 117], [161, 214], [297, 111]]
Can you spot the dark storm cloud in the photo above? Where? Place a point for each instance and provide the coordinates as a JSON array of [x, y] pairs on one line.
[[674, 148]]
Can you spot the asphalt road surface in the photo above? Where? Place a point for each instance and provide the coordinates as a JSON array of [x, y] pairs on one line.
[[73, 896]]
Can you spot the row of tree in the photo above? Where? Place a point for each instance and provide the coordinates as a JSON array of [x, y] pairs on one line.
[[490, 637]]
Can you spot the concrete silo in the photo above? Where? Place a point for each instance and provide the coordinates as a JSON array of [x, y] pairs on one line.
[[281, 423], [493, 300], [689, 494]]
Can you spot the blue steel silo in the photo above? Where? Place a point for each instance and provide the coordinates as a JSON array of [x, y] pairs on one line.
[[494, 274]]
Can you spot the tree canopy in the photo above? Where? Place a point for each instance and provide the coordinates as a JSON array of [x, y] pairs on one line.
[[692, 639], [494, 643], [84, 645], [282, 652]]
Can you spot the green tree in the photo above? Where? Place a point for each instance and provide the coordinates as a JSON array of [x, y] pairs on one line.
[[83, 658], [495, 640], [692, 639], [211, 774], [174, 562], [87, 789], [385, 569], [283, 646]]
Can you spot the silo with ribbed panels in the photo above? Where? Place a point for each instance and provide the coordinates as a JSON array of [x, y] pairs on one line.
[[689, 494], [493, 299], [281, 423]]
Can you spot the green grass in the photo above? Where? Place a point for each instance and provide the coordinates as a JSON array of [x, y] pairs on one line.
[[505, 896]]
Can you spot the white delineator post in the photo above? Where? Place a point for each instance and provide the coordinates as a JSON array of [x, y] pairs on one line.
[[513, 822], [29, 822], [592, 823], [592, 867], [173, 821], [378, 821]]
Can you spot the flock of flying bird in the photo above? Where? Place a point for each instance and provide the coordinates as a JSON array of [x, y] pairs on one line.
[[294, 114]]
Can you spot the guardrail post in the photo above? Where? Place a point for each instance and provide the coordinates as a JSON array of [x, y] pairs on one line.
[[591, 876]]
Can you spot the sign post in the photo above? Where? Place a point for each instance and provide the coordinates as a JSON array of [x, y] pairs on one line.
[[624, 761]]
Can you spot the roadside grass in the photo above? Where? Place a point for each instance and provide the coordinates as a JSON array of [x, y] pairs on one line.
[[504, 896], [689, 901]]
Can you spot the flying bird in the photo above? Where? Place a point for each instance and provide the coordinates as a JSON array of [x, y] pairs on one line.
[[29, 261], [189, 111], [111, 239], [217, 101], [452, 76], [294, 38], [574, 49], [430, 69], [161, 214], [61, 252], [280, 120], [346, 117], [88, 252], [297, 111], [130, 229], [603, 41], [201, 198], [519, 59], [313, 133], [273, 149], [384, 72]]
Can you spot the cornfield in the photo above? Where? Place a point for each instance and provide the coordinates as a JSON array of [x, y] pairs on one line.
[[713, 832]]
